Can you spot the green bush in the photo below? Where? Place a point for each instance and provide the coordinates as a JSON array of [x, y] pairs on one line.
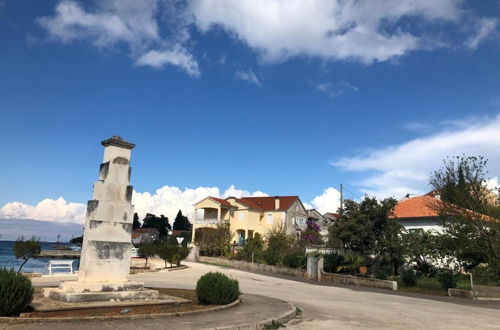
[[332, 262], [295, 260], [408, 276], [271, 257], [16, 292], [447, 279], [217, 289], [382, 272]]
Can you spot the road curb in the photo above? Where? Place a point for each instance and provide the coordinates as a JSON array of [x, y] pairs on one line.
[[20, 320], [283, 318]]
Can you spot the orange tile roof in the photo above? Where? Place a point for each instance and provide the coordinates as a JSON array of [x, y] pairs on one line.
[[416, 207]]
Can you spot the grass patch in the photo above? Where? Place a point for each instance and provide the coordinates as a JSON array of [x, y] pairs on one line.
[[431, 286]]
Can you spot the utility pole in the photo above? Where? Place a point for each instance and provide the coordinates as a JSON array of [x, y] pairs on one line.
[[341, 199]]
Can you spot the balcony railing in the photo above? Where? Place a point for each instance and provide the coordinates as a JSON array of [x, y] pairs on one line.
[[206, 221]]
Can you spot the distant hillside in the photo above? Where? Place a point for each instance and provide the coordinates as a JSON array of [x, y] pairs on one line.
[[11, 229]]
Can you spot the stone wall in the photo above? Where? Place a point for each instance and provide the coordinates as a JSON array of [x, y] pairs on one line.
[[254, 267], [357, 281], [479, 292]]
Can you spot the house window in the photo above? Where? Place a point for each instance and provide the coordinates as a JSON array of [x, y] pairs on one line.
[[269, 218]]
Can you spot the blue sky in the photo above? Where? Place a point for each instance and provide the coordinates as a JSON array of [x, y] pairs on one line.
[[224, 97]]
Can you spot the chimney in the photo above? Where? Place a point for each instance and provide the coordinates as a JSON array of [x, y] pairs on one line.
[[276, 203]]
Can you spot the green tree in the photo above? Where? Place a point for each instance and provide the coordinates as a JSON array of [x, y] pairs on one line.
[[136, 224], [252, 249], [181, 222], [147, 251], [422, 248], [223, 236], [366, 229], [76, 240], [469, 213], [161, 223], [26, 249]]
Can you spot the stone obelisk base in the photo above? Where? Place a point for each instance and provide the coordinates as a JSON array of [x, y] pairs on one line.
[[74, 292]]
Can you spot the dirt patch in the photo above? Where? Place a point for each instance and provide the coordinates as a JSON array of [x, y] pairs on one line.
[[132, 310]]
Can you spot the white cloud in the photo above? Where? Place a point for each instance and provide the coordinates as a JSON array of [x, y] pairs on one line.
[[56, 210], [178, 56], [405, 168], [335, 90], [332, 29], [113, 23], [247, 76], [329, 201], [484, 29]]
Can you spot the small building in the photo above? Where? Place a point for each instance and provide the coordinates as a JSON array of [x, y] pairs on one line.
[[418, 213], [251, 215], [145, 235], [331, 217]]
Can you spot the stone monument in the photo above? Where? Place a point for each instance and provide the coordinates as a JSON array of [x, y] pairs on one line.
[[107, 244]]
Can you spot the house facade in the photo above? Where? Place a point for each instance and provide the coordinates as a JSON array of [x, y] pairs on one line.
[[145, 236], [418, 213], [250, 215]]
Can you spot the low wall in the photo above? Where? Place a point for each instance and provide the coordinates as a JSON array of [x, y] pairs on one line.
[[479, 292], [357, 281], [254, 267]]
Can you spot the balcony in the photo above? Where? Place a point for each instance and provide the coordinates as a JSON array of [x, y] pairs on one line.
[[201, 221]]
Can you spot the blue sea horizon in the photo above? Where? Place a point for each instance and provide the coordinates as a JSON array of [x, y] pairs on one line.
[[38, 265]]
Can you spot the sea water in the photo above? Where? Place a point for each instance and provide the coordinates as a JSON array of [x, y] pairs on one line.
[[39, 265]]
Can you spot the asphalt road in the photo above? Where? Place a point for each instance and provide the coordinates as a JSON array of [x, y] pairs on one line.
[[330, 307]]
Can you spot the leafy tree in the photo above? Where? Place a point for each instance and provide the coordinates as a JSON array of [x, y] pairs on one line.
[[136, 224], [366, 229], [223, 236], [181, 222], [147, 251], [26, 249], [422, 248], [252, 249], [161, 223], [278, 240], [469, 213]]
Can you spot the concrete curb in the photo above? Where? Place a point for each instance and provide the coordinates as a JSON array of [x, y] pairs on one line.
[[20, 320], [283, 318]]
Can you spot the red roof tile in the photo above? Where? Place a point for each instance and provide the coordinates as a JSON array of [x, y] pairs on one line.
[[267, 203], [220, 201]]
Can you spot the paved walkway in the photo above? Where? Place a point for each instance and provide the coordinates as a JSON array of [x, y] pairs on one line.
[[329, 307]]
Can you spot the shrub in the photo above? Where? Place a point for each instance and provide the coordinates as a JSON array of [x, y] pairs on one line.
[[217, 289], [271, 257], [382, 272], [295, 259], [447, 279], [16, 292], [408, 276], [147, 251], [332, 262]]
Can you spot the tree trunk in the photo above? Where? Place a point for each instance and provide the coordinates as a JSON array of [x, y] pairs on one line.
[[25, 260]]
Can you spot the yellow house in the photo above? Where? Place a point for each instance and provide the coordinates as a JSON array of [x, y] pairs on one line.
[[250, 215]]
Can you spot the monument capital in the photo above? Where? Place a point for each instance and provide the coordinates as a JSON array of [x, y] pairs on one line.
[[118, 142]]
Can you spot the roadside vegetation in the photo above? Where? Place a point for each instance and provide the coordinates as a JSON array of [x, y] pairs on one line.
[[371, 243]]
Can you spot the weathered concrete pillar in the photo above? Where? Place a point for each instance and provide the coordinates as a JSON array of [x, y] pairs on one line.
[[312, 268], [107, 245], [108, 227], [321, 263]]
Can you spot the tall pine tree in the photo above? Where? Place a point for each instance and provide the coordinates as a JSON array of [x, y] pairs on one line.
[[181, 222]]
